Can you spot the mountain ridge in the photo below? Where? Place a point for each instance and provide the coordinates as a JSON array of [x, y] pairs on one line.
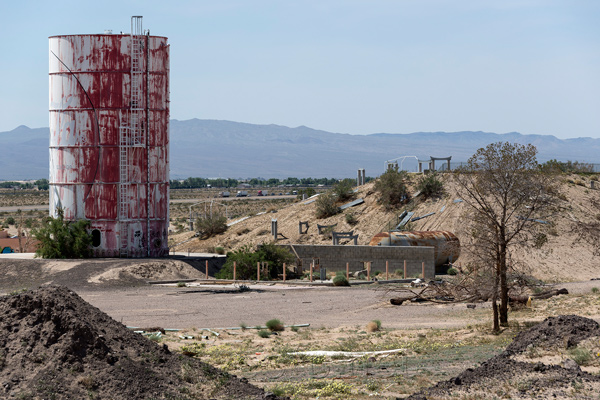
[[220, 148]]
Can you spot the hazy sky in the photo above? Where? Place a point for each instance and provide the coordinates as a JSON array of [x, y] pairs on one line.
[[348, 66]]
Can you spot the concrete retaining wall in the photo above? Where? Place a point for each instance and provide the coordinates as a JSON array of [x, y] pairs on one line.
[[334, 258]]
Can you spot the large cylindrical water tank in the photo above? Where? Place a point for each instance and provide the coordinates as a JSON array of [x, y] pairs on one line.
[[109, 144], [446, 246]]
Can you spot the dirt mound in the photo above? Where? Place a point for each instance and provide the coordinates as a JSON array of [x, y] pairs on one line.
[[563, 331], [57, 346], [18, 274], [502, 375]]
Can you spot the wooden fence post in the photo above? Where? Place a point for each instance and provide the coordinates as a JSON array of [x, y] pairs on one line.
[[423, 269], [258, 271], [206, 269], [387, 270], [347, 271], [234, 270], [284, 268], [404, 269]]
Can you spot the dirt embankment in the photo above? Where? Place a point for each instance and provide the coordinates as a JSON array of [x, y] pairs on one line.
[[19, 274], [55, 345], [560, 258]]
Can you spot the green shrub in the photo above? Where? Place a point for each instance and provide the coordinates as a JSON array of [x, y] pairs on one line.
[[580, 355], [211, 225], [219, 250], [392, 188], [325, 205], [430, 186], [264, 333], [63, 239], [340, 279], [274, 325], [351, 219], [452, 271], [594, 290], [181, 284], [343, 189], [246, 259], [10, 221]]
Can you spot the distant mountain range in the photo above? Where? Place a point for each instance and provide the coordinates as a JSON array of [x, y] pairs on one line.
[[210, 148]]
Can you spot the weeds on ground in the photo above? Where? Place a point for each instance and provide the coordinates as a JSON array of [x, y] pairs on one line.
[[263, 333], [274, 325]]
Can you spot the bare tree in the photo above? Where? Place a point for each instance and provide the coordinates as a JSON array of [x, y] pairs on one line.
[[507, 196]]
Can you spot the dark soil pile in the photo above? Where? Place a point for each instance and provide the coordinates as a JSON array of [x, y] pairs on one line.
[[502, 374], [54, 345]]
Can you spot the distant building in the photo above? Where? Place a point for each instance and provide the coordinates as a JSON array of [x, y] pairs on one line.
[[11, 244]]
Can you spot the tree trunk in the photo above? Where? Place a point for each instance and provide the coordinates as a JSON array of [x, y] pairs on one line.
[[503, 287], [495, 302]]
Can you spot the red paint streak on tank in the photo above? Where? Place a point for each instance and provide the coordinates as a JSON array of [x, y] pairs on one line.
[[102, 202], [109, 163], [88, 167]]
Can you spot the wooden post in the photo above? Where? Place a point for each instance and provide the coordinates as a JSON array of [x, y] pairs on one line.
[[368, 270], [206, 269], [258, 271], [234, 270], [404, 269], [347, 271], [311, 269], [387, 270], [284, 268], [423, 269]]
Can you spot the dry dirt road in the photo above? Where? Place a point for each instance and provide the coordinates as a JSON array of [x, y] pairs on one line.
[[224, 306], [215, 307]]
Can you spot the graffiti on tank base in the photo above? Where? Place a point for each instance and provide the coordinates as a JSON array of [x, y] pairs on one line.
[[138, 240]]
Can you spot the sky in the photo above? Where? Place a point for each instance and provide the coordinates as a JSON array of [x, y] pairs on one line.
[[345, 66]]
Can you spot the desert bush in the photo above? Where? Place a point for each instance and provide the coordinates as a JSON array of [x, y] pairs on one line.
[[430, 186], [10, 221], [374, 326], [351, 219], [452, 271], [567, 167], [181, 284], [343, 189], [325, 205], [340, 279], [392, 188], [306, 191], [274, 325], [540, 240], [219, 250], [211, 225], [247, 257], [580, 355], [263, 333], [595, 290], [63, 239]]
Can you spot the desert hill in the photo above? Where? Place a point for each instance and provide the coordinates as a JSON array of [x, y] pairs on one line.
[[561, 258]]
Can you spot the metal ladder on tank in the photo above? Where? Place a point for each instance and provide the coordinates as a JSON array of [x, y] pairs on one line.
[[130, 134]]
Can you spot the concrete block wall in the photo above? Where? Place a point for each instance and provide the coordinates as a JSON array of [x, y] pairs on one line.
[[334, 258]]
